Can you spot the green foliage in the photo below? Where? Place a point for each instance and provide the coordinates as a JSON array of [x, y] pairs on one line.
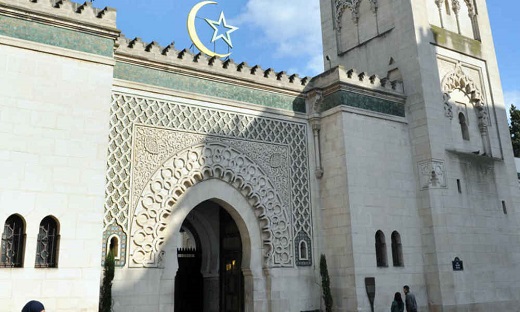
[[514, 129], [105, 300], [325, 284]]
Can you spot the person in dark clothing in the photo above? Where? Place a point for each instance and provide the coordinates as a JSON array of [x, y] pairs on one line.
[[397, 304], [411, 304], [33, 306]]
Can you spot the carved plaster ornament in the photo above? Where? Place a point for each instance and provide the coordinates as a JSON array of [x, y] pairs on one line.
[[455, 5], [432, 174], [165, 128], [352, 5], [458, 80], [316, 100], [373, 6], [199, 163], [471, 8]]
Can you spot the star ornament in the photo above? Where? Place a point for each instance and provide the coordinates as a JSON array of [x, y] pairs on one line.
[[216, 24]]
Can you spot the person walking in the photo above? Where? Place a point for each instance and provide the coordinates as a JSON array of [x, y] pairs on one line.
[[397, 304], [411, 304]]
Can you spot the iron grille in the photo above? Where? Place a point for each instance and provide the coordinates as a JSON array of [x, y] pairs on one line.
[[13, 241], [47, 246]]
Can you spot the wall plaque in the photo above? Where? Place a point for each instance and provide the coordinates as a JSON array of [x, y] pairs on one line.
[[457, 264]]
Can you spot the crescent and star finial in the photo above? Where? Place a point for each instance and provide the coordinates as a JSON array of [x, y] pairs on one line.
[[221, 23]]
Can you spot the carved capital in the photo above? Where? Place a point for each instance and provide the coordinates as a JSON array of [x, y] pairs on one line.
[[373, 6], [455, 5], [448, 106], [315, 124], [315, 101]]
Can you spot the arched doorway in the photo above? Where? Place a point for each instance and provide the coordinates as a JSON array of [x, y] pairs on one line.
[[209, 254]]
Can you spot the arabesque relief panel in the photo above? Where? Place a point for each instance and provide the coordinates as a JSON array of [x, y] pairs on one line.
[[145, 132]]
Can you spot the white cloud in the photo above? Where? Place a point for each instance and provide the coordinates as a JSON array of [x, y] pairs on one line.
[[315, 64], [292, 26]]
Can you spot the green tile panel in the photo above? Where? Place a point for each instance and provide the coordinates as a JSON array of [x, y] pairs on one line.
[[202, 86], [55, 36], [352, 99]]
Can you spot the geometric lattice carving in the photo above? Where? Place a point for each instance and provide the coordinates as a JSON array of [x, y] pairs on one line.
[[128, 110], [154, 145], [195, 164]]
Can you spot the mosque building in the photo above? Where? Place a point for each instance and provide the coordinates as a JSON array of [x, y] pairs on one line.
[[217, 185]]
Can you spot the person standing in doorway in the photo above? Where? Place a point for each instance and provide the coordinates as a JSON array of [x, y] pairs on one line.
[[397, 304], [411, 304]]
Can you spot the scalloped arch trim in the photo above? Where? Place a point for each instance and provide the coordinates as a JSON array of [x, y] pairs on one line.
[[193, 165]]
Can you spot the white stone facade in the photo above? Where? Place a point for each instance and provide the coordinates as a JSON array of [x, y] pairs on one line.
[[455, 142], [391, 170]]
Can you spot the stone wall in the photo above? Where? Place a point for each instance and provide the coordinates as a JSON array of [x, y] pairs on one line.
[[56, 69]]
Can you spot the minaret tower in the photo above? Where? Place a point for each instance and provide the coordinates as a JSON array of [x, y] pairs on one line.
[[455, 151]]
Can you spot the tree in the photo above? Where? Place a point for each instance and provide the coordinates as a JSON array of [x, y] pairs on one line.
[[105, 300], [325, 284], [514, 129]]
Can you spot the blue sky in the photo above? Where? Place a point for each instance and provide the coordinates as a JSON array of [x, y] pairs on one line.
[[285, 34]]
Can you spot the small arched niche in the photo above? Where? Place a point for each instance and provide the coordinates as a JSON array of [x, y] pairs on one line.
[[114, 246], [303, 250]]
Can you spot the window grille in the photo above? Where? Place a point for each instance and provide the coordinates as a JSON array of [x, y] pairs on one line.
[[13, 242], [381, 250], [397, 250], [47, 246]]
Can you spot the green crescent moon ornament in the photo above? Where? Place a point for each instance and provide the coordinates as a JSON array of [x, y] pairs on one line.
[[192, 31]]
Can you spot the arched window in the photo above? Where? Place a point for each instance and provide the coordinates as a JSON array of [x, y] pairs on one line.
[[303, 250], [381, 250], [447, 5], [113, 246], [48, 243], [463, 127], [397, 250], [13, 242]]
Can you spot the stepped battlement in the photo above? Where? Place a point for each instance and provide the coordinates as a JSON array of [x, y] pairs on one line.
[[357, 78], [153, 52], [84, 13]]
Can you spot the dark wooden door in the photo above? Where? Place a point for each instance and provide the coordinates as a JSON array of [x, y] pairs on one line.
[[231, 278], [188, 281]]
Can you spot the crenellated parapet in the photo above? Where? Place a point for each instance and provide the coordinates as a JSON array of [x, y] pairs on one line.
[[63, 10], [361, 79], [135, 50], [339, 86]]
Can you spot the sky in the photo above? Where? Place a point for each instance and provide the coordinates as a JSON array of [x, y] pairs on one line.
[[285, 34]]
